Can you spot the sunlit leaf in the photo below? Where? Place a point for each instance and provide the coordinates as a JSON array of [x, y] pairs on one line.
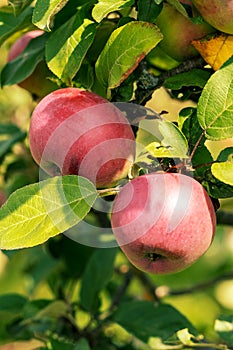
[[65, 56], [104, 7], [124, 50], [223, 170], [185, 337], [42, 210], [166, 140], [216, 50], [215, 106], [45, 11], [224, 327]]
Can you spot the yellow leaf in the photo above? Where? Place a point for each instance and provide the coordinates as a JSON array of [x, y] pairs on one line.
[[215, 50]]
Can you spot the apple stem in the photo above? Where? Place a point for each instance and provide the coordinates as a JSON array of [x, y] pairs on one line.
[[108, 191]]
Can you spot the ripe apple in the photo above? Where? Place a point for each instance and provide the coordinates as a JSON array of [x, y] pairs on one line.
[[178, 32], [73, 131], [218, 13], [163, 222], [37, 83]]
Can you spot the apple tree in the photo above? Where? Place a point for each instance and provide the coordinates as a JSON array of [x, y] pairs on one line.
[[112, 214]]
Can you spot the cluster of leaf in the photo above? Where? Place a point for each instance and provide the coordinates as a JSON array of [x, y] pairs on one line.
[[74, 44], [98, 45], [109, 39], [92, 305]]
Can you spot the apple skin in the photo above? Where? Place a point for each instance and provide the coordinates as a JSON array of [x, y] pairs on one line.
[[163, 222], [37, 83], [218, 13], [178, 32], [73, 131]]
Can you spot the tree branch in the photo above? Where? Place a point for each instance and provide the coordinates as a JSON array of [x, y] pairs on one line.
[[122, 289], [224, 218], [201, 286], [148, 82]]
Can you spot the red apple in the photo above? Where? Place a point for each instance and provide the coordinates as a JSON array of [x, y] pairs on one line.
[[163, 222], [219, 13], [178, 32], [73, 131], [37, 83]]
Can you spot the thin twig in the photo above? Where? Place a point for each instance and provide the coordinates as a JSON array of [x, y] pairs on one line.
[[122, 290], [203, 285], [147, 284], [196, 145], [224, 218]]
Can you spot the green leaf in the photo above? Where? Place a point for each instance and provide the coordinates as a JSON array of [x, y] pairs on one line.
[[12, 303], [148, 10], [39, 211], [8, 129], [103, 32], [194, 77], [24, 64], [189, 125], [215, 106], [215, 187], [168, 141], [85, 77], [178, 6], [55, 309], [226, 155], [186, 337], [65, 56], [65, 249], [224, 327], [223, 170], [11, 307], [19, 5], [96, 276], [82, 344], [44, 12], [144, 319], [124, 50], [104, 7], [61, 345], [10, 24], [9, 135]]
